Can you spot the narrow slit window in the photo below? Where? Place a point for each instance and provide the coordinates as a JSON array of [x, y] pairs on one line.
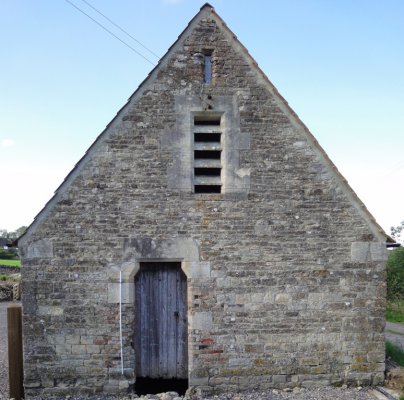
[[208, 69]]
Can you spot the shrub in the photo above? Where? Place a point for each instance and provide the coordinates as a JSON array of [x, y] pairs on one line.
[[8, 254], [395, 275], [395, 353], [395, 311]]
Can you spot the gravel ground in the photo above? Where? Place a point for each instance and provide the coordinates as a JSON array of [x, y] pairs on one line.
[[299, 394]]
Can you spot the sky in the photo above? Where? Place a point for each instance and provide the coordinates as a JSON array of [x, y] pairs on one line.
[[339, 64]]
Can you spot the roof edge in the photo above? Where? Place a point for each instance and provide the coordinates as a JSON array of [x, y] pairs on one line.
[[377, 230], [207, 5], [38, 219], [283, 104]]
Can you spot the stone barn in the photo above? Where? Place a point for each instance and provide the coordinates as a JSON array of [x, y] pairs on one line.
[[205, 240]]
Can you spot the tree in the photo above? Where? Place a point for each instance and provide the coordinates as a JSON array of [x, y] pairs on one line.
[[395, 275], [397, 232], [20, 231], [13, 234], [10, 254]]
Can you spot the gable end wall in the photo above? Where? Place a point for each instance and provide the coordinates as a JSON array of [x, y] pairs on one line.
[[286, 279]]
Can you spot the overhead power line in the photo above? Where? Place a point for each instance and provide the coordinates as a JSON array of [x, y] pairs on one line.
[[111, 33], [393, 169], [121, 29]]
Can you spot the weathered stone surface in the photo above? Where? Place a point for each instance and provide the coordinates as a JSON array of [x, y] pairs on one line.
[[286, 281], [42, 248]]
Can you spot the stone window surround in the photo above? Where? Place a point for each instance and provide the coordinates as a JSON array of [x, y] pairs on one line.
[[179, 141]]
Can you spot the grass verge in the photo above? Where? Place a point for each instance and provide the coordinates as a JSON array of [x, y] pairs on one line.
[[395, 311], [395, 353], [13, 278], [13, 263]]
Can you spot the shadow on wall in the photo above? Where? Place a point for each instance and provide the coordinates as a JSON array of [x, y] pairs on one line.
[[153, 386]]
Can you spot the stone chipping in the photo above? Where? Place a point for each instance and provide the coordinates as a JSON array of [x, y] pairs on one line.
[[292, 394]]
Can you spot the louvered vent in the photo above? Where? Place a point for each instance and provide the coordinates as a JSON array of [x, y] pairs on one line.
[[207, 155]]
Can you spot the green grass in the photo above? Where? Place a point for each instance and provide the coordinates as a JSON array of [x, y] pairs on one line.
[[15, 278], [395, 311], [395, 353], [14, 263]]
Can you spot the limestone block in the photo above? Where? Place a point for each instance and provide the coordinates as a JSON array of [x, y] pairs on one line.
[[47, 382], [360, 251], [198, 270], [86, 339], [50, 310], [198, 381], [128, 291], [72, 339], [315, 384], [63, 349], [92, 349], [78, 349], [125, 271], [378, 251], [169, 249], [33, 384], [201, 320], [261, 227], [315, 300], [282, 298], [368, 251], [42, 248], [378, 378], [279, 379], [57, 339], [245, 141], [239, 362]]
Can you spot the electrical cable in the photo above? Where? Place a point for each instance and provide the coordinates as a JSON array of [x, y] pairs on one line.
[[392, 169], [121, 29], [111, 33]]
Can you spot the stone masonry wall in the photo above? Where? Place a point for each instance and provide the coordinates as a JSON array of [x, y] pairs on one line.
[[286, 279]]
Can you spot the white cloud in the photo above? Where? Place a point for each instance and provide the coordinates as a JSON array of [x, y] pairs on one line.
[[32, 188], [172, 2], [7, 142]]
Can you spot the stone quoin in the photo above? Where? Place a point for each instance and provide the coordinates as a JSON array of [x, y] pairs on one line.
[[204, 236]]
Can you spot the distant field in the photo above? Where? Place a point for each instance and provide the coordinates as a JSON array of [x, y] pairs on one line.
[[15, 263]]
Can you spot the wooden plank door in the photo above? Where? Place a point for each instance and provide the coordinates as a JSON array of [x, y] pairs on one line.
[[161, 333]]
